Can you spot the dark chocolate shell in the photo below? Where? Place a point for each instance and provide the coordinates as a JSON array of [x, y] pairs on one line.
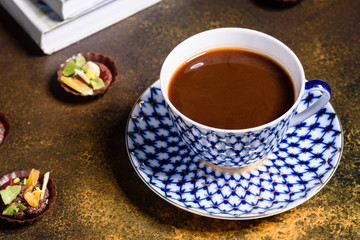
[[22, 174], [4, 127], [99, 59]]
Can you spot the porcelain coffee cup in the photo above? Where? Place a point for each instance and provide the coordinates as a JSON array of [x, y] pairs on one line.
[[239, 147]]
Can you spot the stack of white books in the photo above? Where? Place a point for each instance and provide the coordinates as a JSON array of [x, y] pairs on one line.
[[56, 24]]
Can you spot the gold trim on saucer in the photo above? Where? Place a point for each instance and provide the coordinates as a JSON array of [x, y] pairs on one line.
[[233, 170]]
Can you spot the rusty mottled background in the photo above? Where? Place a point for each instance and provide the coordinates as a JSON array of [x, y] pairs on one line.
[[82, 142]]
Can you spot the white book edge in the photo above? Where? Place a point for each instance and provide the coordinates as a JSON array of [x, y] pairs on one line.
[[53, 36], [71, 8]]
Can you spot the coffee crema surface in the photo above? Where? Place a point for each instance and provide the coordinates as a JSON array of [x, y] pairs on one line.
[[231, 88]]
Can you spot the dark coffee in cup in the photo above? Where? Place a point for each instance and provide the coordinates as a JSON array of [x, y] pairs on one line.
[[231, 88]]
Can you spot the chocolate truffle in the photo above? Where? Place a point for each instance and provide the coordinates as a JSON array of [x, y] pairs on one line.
[[87, 74], [17, 191]]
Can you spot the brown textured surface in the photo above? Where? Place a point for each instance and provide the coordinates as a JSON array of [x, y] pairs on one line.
[[82, 142]]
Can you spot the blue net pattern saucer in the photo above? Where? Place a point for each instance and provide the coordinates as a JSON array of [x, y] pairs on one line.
[[295, 171]]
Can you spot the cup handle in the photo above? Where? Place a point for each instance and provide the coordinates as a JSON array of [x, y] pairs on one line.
[[313, 85]]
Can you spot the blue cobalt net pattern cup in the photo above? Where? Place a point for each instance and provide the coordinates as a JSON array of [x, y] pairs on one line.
[[240, 147]]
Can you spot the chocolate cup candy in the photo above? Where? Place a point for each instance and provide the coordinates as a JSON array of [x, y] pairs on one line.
[[4, 127], [22, 174], [97, 58]]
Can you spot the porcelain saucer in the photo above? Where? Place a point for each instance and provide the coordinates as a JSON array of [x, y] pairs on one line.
[[298, 169]]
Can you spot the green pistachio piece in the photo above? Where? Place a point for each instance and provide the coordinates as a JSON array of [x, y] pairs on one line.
[[13, 208], [10, 193], [80, 61], [97, 83], [69, 68]]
